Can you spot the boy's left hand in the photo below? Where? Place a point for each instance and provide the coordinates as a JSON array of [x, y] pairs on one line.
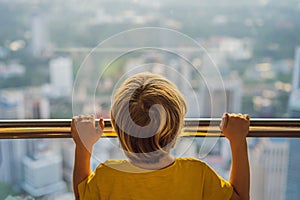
[[235, 127], [84, 132]]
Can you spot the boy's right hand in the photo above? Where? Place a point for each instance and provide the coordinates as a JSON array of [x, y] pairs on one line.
[[235, 127], [84, 132]]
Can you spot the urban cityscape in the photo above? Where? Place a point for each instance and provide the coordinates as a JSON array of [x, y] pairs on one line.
[[64, 58]]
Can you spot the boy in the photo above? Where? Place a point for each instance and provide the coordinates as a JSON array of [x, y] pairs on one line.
[[147, 114]]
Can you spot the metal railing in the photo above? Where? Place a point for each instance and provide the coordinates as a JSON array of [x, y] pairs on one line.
[[60, 128]]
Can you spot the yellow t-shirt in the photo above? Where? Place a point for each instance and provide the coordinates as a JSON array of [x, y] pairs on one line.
[[186, 178]]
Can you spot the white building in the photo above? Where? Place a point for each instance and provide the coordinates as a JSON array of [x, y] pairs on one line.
[[293, 182], [44, 175], [294, 101], [61, 76], [15, 104], [39, 38], [269, 167], [68, 148], [11, 154], [296, 77], [11, 151]]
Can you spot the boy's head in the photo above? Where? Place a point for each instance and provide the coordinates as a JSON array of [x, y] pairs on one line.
[[147, 114]]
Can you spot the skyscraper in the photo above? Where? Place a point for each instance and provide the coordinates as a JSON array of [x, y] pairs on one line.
[[11, 154], [293, 183], [294, 101], [296, 78], [39, 39], [293, 178], [11, 151], [61, 76], [269, 169]]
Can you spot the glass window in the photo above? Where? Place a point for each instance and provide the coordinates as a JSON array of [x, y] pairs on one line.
[[45, 168], [63, 58]]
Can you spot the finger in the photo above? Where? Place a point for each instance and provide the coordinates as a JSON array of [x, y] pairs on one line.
[[73, 122], [80, 118], [101, 123], [75, 117], [247, 116], [86, 117], [91, 118], [100, 126], [224, 121], [233, 115], [73, 126]]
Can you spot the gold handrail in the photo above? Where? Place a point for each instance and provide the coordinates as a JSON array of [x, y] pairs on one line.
[[60, 128]]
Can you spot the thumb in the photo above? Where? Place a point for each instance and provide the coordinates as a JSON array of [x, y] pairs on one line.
[[101, 123], [224, 121]]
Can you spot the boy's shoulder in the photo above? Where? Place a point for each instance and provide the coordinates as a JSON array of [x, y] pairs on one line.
[[115, 162], [191, 162], [112, 164]]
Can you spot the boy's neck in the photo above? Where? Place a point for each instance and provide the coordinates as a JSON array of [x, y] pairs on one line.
[[163, 163]]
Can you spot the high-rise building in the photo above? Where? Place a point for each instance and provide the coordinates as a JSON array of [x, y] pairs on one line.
[[293, 183], [61, 76], [39, 39], [68, 148], [12, 151], [42, 166], [269, 165], [294, 101], [293, 178], [11, 154], [296, 74]]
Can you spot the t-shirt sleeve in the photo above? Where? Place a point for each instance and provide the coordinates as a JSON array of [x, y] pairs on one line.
[[88, 188], [215, 187]]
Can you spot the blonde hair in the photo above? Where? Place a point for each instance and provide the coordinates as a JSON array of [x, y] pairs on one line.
[[142, 100]]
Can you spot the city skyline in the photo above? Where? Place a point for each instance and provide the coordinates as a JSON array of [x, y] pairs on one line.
[[44, 45]]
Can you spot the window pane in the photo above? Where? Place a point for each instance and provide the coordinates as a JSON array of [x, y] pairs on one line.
[[43, 167], [251, 46], [251, 64]]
